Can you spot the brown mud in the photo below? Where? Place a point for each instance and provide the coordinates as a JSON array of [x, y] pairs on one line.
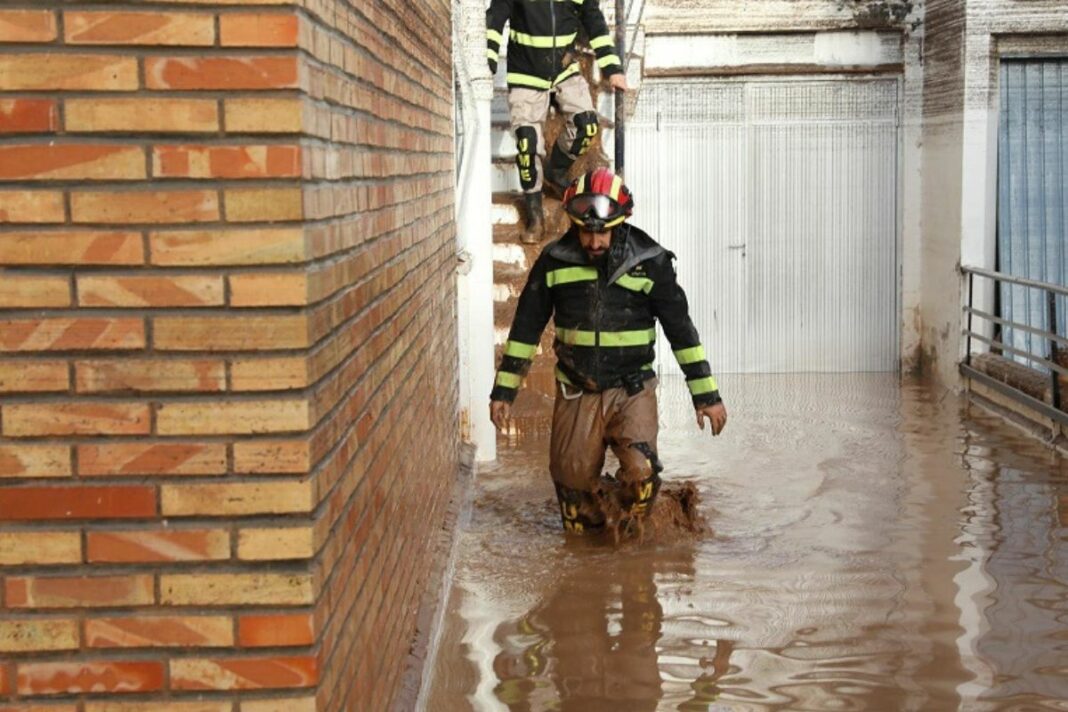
[[879, 545]]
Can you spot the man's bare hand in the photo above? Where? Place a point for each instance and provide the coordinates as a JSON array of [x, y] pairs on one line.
[[500, 414], [618, 81], [717, 417]]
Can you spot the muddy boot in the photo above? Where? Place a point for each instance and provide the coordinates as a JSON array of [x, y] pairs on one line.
[[556, 180], [532, 234]]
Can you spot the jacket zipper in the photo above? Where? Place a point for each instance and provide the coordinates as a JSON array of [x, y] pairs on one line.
[[552, 27], [598, 294]]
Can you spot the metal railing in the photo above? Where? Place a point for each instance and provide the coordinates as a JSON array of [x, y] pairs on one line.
[[1047, 362]]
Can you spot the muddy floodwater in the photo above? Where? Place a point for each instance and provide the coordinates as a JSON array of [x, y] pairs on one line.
[[876, 544]]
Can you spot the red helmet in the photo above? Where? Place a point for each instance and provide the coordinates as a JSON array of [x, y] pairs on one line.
[[598, 200]]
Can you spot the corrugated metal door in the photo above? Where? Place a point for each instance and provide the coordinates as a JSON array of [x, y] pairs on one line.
[[1033, 192], [780, 198]]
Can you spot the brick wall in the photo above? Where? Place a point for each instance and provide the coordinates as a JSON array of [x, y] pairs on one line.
[[226, 314]]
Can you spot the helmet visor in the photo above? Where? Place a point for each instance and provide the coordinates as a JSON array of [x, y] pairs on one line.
[[593, 205]]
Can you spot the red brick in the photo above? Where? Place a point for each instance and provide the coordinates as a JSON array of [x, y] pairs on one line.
[[276, 672], [179, 291], [31, 206], [83, 247], [278, 630], [28, 116], [139, 28], [219, 72], [146, 546], [84, 677], [150, 376], [81, 418], [114, 502], [71, 161], [142, 114], [33, 291], [35, 461], [159, 631], [33, 376], [158, 206], [37, 707], [137, 459], [79, 591], [262, 161], [258, 30], [27, 26], [73, 72], [17, 335], [250, 246]]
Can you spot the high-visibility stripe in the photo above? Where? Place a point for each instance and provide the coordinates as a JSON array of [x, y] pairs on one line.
[[542, 41], [608, 60], [700, 386], [635, 284], [519, 350], [494, 35], [579, 337], [690, 355], [602, 41], [581, 187], [492, 54], [526, 80], [508, 380], [573, 68], [613, 223], [613, 192], [628, 338], [647, 367], [567, 275]]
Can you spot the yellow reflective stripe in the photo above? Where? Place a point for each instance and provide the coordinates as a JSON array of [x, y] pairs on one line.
[[628, 338], [690, 355], [562, 377], [493, 35], [700, 386], [576, 337], [508, 380], [602, 41], [573, 69], [527, 80], [492, 54], [581, 187], [613, 192], [519, 350], [635, 284], [607, 60], [567, 275], [613, 223], [647, 367], [542, 41]]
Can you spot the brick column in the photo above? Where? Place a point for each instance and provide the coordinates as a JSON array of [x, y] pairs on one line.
[[228, 421]]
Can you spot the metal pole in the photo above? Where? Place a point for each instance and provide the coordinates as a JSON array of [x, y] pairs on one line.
[[971, 305], [1051, 301], [621, 47]]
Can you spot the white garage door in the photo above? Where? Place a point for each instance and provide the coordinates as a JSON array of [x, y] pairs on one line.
[[780, 199]]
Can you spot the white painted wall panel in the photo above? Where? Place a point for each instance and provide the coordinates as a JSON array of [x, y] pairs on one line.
[[780, 198]]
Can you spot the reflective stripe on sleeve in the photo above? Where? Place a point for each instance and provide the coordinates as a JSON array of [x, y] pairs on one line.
[[494, 35], [602, 41], [508, 380], [519, 350], [690, 355], [492, 54], [700, 386], [608, 60]]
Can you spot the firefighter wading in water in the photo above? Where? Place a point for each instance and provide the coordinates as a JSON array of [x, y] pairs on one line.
[[605, 283]]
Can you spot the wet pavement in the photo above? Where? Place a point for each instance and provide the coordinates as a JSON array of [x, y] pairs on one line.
[[877, 545]]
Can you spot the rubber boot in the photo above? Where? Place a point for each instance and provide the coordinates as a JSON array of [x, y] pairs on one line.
[[556, 180], [532, 234]]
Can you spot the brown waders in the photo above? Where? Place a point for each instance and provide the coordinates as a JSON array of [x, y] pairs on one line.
[[584, 425]]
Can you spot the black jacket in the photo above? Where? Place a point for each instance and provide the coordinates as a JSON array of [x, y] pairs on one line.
[[605, 317], [535, 59]]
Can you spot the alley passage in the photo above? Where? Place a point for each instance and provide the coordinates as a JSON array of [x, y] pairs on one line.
[[878, 545]]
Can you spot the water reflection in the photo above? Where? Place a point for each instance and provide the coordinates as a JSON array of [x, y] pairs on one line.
[[592, 644], [879, 546]]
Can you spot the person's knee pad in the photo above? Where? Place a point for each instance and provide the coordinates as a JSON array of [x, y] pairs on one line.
[[526, 144], [586, 129], [577, 510]]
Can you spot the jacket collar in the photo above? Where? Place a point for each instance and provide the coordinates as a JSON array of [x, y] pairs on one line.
[[630, 247]]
